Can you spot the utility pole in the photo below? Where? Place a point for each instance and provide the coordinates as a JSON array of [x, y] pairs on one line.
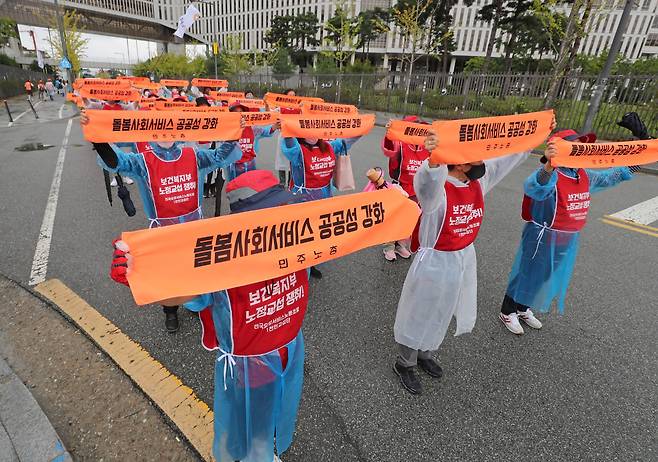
[[65, 52], [602, 80], [215, 44]]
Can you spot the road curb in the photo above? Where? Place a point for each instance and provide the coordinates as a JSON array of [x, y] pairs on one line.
[[25, 431]]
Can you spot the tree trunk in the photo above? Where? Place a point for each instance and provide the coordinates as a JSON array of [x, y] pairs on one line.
[[563, 56], [411, 69], [579, 37], [492, 35]]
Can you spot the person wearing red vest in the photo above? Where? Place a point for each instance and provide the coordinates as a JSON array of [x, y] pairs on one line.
[[259, 369], [281, 164], [404, 159], [442, 280], [249, 141], [555, 208]]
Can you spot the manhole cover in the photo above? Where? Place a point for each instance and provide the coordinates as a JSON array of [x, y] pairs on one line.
[[33, 147]]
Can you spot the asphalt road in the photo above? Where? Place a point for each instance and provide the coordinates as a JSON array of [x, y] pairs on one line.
[[582, 388]]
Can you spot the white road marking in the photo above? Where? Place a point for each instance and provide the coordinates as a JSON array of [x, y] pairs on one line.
[[60, 111], [643, 213], [22, 114], [42, 252]]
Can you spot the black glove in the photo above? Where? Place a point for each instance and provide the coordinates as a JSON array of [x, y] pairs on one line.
[[632, 122]]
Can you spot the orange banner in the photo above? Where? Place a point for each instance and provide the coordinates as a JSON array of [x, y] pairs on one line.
[[167, 105], [79, 83], [77, 100], [225, 95], [472, 140], [325, 126], [605, 155], [174, 83], [134, 79], [147, 86], [234, 250], [214, 83], [110, 93], [408, 132], [277, 100], [312, 107], [259, 118], [205, 109], [250, 103], [133, 126]]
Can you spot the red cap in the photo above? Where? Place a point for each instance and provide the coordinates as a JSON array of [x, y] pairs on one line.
[[572, 135], [235, 105], [411, 118], [250, 183]]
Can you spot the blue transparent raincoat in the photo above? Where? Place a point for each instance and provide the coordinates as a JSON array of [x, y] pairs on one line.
[[545, 258]]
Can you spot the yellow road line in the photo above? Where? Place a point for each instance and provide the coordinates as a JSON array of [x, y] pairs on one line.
[[631, 223], [192, 416], [629, 227]]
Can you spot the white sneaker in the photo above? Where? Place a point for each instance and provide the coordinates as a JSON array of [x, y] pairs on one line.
[[128, 180], [402, 251], [511, 321], [276, 459], [113, 183], [529, 318]]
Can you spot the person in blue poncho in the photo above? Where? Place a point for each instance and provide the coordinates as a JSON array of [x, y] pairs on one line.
[[256, 332], [170, 178], [555, 208]]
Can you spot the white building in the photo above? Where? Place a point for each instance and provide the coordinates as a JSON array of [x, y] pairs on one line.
[[251, 19]]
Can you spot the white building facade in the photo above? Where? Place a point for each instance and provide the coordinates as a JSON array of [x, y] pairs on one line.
[[251, 19]]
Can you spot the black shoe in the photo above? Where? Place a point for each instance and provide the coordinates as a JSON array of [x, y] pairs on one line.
[[408, 378], [171, 322], [430, 366], [316, 273]]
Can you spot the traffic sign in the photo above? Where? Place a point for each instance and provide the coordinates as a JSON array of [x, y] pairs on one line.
[[65, 64], [215, 48]]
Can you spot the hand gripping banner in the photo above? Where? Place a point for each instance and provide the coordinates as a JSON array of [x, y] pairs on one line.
[[408, 132], [235, 250], [604, 155], [133, 126], [213, 83], [312, 107], [79, 83], [174, 83], [472, 140], [110, 93], [326, 126]]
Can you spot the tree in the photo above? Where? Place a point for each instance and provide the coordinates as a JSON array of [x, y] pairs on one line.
[[231, 60], [171, 66], [441, 37], [76, 44], [411, 18], [282, 68], [295, 33], [491, 13], [8, 30], [341, 37], [370, 25]]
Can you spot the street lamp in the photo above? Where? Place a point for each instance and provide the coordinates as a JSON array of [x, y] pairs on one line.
[[123, 60], [213, 19]]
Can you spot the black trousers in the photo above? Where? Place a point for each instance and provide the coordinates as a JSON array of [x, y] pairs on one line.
[[169, 309], [509, 306]]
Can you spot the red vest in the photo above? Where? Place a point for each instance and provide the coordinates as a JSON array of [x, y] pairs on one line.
[[290, 110], [173, 183], [265, 316], [247, 145], [112, 107], [318, 166], [462, 220], [411, 158]]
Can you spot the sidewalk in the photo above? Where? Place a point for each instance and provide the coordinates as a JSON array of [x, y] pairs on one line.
[[25, 432], [54, 381]]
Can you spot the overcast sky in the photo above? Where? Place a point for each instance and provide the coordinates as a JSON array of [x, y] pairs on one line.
[[100, 47]]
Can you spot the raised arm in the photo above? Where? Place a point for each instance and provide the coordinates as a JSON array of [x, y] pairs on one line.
[[342, 145], [292, 150], [225, 154], [600, 180], [499, 168]]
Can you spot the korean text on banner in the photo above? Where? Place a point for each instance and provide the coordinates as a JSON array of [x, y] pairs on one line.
[[235, 250], [278, 100], [408, 132], [250, 103], [133, 79], [174, 83], [133, 126], [79, 83], [147, 86], [313, 107], [472, 140], [326, 126], [166, 105], [259, 118], [110, 93], [213, 83], [225, 95], [604, 155], [205, 109]]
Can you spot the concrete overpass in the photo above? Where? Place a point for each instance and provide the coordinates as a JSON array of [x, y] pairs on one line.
[[153, 20]]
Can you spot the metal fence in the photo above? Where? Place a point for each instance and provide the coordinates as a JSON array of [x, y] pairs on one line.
[[453, 96], [12, 80]]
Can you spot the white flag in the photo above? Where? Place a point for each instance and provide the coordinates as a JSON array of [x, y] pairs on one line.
[[40, 58], [185, 21]]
